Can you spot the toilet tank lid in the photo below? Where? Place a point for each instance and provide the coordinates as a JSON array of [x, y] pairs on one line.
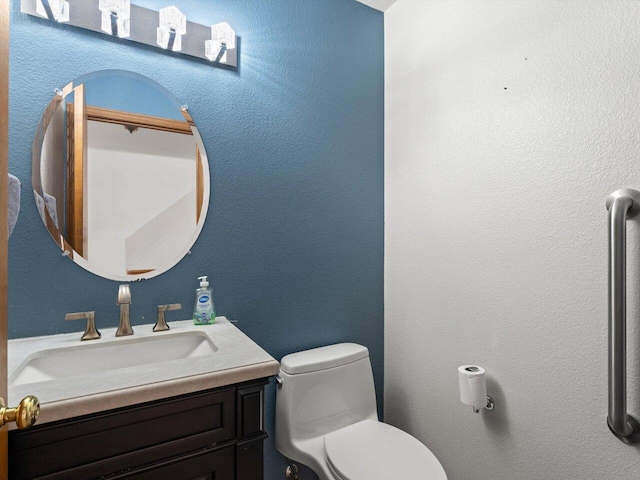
[[322, 358]]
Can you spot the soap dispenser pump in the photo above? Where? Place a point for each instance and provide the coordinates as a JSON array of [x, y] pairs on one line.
[[204, 311]]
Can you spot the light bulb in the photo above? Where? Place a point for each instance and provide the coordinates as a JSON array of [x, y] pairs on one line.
[[222, 37], [116, 17], [57, 10], [173, 24]]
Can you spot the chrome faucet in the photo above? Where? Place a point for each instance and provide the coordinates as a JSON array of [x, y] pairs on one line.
[[124, 300]]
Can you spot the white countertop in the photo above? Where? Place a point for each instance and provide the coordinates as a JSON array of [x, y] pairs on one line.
[[237, 359]]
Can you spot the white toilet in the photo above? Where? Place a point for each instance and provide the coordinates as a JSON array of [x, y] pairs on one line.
[[326, 419]]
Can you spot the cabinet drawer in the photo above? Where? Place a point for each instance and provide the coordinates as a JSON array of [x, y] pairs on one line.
[[101, 444], [210, 465]]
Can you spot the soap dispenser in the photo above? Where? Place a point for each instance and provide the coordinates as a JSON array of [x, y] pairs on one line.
[[204, 312]]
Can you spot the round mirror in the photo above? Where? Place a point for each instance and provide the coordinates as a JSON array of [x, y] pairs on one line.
[[120, 175]]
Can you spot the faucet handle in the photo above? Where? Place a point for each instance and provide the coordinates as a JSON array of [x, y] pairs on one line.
[[124, 300], [169, 307], [91, 332], [124, 295], [161, 324]]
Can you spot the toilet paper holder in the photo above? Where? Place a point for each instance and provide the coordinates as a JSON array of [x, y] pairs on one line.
[[488, 406], [473, 388]]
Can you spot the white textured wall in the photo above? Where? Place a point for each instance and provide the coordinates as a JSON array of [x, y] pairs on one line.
[[508, 123]]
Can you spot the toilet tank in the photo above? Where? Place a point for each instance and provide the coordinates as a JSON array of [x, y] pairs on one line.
[[322, 390]]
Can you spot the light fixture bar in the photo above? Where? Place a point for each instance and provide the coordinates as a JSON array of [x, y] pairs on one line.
[[140, 25]]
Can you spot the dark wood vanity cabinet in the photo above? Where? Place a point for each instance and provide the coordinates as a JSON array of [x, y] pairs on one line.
[[210, 435]]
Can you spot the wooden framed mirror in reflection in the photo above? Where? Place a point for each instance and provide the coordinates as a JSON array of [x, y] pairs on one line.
[[120, 175]]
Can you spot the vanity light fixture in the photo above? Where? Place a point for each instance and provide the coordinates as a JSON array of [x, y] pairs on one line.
[[166, 29], [223, 38], [173, 24], [116, 16], [57, 10]]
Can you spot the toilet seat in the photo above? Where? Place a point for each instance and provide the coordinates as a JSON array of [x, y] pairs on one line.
[[371, 450]]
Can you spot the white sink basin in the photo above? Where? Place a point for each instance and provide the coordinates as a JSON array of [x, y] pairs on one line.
[[73, 378], [96, 356]]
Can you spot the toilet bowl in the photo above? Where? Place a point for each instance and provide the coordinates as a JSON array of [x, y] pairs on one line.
[[327, 419]]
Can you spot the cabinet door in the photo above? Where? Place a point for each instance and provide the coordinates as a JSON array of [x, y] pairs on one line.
[[250, 460], [206, 465], [125, 439]]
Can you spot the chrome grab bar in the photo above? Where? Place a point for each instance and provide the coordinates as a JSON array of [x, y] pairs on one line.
[[622, 204]]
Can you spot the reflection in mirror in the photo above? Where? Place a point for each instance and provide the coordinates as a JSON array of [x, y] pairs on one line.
[[120, 175]]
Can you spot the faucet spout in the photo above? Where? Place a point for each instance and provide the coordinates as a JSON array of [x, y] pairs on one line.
[[124, 300]]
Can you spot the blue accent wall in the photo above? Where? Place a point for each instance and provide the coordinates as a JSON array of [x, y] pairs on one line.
[[293, 241]]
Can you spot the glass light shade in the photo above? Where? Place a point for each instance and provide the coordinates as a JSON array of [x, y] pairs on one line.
[[212, 49], [124, 26], [164, 37], [121, 9], [221, 34], [173, 19], [172, 23], [59, 9]]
